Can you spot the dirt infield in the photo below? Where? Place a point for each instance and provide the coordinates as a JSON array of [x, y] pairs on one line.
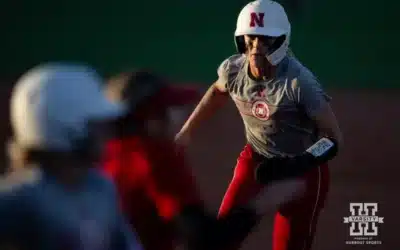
[[362, 173]]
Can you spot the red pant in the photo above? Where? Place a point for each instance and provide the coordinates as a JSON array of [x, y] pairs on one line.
[[296, 220]]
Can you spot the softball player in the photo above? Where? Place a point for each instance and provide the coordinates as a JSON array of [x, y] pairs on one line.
[[151, 175], [155, 183], [285, 112], [58, 116]]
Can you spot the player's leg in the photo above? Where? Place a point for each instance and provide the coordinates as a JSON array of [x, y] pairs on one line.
[[243, 186], [245, 190], [296, 221], [242, 189]]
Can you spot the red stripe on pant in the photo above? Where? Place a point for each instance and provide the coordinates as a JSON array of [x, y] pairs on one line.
[[295, 221]]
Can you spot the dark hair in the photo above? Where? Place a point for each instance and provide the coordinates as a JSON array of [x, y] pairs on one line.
[[137, 88]]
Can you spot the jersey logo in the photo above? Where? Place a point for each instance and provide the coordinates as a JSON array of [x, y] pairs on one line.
[[256, 19], [260, 110]]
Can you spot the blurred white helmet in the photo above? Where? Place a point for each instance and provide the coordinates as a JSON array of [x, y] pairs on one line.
[[265, 18], [52, 104]]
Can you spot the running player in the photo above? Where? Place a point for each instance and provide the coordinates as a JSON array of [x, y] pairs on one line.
[[285, 111]]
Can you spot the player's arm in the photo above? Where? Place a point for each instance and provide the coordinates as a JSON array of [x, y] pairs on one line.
[[316, 103], [215, 97], [328, 125]]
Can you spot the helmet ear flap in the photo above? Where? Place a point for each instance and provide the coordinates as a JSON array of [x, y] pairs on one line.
[[240, 44]]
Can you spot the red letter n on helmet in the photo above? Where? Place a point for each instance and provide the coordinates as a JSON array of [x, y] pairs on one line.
[[256, 19]]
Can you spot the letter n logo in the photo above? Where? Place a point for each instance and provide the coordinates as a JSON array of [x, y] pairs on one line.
[[256, 19]]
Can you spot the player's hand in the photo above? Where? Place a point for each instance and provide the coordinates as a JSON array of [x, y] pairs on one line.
[[183, 138], [280, 168]]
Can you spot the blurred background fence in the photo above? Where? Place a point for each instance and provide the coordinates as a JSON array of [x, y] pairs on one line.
[[346, 43]]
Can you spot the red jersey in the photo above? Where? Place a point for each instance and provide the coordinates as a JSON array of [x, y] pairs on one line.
[[154, 184]]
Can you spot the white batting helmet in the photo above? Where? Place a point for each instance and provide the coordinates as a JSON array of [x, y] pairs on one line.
[[266, 18], [52, 104]]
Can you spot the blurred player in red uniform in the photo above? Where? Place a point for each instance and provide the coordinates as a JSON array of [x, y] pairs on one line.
[[150, 173], [157, 189]]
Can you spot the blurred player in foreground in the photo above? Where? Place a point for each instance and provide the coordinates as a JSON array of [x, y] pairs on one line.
[[291, 129], [59, 116], [158, 192]]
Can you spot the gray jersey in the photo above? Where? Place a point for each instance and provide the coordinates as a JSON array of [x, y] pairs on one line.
[[44, 215], [277, 113]]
